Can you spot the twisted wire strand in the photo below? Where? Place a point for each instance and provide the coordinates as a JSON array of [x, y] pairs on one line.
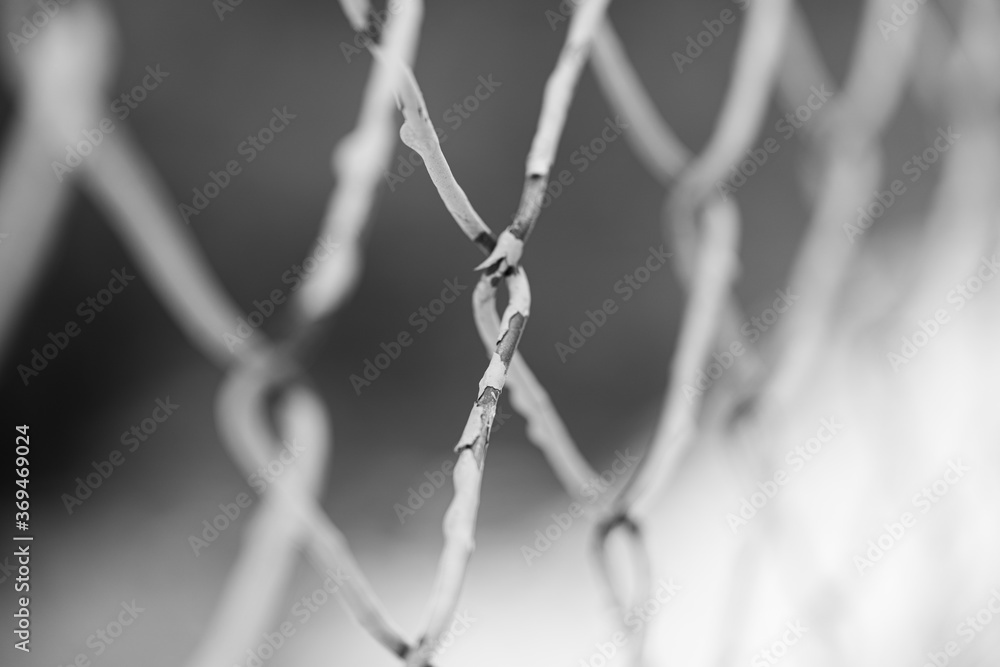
[[460, 519], [126, 185], [962, 212], [459, 523], [710, 307], [121, 181], [961, 222], [545, 427], [59, 79], [124, 182], [852, 166], [755, 72], [558, 96], [250, 440], [358, 161], [31, 204], [665, 156], [801, 68], [270, 542], [418, 133]]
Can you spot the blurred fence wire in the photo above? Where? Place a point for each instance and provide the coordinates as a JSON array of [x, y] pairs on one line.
[[267, 396]]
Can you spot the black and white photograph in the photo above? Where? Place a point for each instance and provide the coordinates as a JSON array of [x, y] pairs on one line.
[[562, 333]]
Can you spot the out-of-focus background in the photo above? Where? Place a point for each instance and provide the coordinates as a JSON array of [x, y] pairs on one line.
[[223, 78]]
